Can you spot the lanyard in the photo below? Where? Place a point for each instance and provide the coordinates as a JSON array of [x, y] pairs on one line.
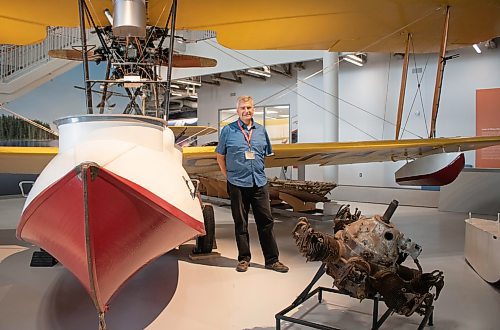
[[248, 137]]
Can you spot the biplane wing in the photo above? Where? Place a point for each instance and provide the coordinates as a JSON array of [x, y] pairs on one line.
[[284, 24]]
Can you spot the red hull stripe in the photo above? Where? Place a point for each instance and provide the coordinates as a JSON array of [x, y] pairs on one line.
[[155, 201], [442, 177]]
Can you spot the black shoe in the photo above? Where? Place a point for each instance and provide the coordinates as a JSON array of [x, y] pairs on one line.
[[242, 266], [277, 267]]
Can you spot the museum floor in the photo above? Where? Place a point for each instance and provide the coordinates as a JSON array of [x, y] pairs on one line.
[[174, 292]]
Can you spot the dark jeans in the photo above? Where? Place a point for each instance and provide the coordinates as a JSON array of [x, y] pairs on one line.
[[258, 198]]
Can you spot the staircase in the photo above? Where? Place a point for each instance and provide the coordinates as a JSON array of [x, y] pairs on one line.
[[23, 68]]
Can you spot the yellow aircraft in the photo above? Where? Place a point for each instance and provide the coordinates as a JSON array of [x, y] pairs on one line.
[[356, 25], [374, 26]]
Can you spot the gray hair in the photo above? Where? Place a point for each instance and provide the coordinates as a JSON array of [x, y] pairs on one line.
[[244, 98]]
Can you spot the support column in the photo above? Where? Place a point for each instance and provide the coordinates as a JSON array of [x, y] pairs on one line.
[[331, 107]]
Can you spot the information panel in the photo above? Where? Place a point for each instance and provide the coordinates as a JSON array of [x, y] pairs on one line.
[[488, 124]]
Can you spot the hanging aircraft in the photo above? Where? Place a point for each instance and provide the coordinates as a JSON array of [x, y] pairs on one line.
[[116, 193]]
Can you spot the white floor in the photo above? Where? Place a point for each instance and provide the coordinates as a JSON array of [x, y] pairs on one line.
[[174, 292]]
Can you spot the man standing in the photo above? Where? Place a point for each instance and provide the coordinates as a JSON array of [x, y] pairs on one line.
[[242, 147]]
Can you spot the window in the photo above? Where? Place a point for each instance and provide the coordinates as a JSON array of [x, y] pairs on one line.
[[276, 120]]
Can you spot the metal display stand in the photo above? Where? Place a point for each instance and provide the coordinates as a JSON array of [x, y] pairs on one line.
[[307, 294]]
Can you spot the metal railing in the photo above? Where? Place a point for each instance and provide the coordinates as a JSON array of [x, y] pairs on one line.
[[195, 35], [17, 60]]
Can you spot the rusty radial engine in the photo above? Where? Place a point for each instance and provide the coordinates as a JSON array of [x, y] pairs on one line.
[[365, 255]]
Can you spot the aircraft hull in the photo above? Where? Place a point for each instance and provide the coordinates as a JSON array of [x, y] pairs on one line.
[[434, 170], [113, 211]]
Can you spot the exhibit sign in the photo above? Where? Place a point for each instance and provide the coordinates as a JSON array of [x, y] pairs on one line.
[[488, 124]]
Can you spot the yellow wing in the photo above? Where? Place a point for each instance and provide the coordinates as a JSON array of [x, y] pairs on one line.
[[201, 160], [27, 160], [32, 160], [358, 25]]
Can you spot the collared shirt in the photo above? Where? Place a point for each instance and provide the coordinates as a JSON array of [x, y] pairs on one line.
[[233, 144]]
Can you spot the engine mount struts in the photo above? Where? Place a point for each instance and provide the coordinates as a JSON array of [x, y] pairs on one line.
[[365, 255]]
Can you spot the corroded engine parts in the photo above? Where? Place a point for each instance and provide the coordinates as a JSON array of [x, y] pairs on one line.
[[365, 258], [345, 217]]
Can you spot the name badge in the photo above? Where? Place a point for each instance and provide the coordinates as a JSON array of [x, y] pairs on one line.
[[249, 155]]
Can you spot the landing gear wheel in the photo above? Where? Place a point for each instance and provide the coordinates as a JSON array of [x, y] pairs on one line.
[[204, 244]]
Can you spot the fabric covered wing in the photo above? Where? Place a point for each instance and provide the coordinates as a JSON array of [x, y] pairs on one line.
[[379, 25], [201, 160], [25, 160], [32, 160]]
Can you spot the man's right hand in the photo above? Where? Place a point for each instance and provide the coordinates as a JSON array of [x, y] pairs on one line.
[[221, 160]]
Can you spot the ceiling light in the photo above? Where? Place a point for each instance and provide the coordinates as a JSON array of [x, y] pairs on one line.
[[188, 82], [476, 47], [259, 73], [271, 111], [174, 86], [176, 94], [284, 116], [182, 122], [355, 57], [353, 61], [280, 107], [108, 15]]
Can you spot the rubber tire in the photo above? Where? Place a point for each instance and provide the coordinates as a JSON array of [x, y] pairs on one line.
[[204, 244]]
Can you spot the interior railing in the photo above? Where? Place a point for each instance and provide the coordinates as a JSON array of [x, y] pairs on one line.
[[17, 60]]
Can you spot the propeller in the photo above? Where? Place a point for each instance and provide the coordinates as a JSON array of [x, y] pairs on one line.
[[178, 61], [75, 55]]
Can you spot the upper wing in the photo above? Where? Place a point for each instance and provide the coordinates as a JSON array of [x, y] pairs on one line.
[[200, 160], [356, 25]]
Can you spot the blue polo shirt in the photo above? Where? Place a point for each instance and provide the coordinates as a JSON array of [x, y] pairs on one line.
[[243, 172]]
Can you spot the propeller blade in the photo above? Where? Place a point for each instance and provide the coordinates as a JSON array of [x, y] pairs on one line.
[[74, 55], [179, 60], [189, 61]]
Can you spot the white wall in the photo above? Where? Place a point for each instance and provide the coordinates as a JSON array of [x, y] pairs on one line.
[[475, 190], [374, 88], [231, 59]]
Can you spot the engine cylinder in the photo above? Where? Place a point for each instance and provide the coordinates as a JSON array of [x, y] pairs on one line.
[[129, 18]]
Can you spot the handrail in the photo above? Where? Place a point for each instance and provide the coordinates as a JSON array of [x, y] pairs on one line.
[[17, 60]]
